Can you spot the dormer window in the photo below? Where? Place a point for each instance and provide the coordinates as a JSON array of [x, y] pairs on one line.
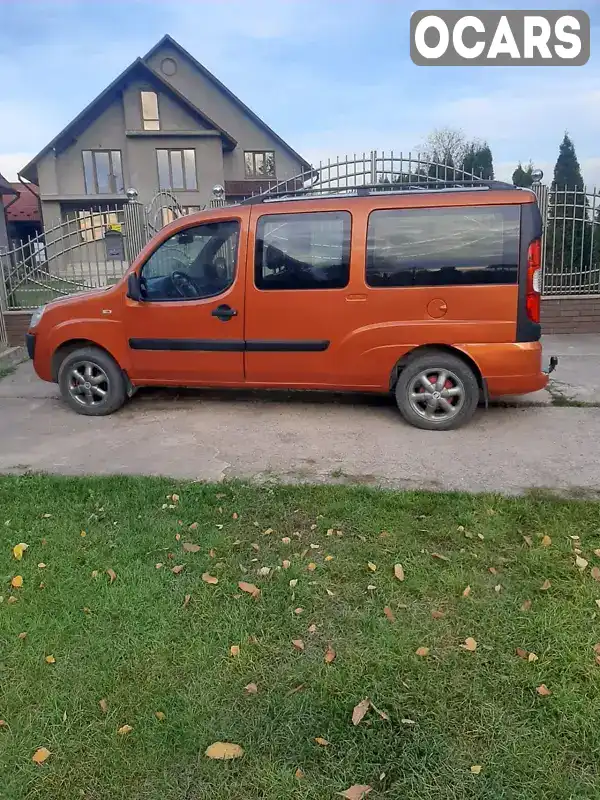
[[150, 118]]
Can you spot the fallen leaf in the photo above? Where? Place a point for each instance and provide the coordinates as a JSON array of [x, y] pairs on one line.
[[595, 573], [408, 721], [40, 755], [294, 582], [235, 515], [315, 546], [545, 585], [470, 644], [372, 566], [158, 566], [389, 614], [251, 688], [312, 628], [193, 526], [17, 582], [178, 537], [86, 610], [124, 730], [371, 587], [103, 706], [224, 751], [234, 650], [312, 566], [330, 593], [466, 591], [476, 769], [188, 547], [328, 558], [299, 774], [580, 563], [597, 603], [209, 578], [255, 546], [249, 588], [264, 571], [94, 573], [528, 541], [597, 553], [112, 575], [179, 568], [298, 611], [50, 660], [532, 657], [18, 550], [526, 605], [41, 565], [437, 614], [493, 570], [321, 741], [543, 690], [212, 553], [298, 644], [399, 571], [46, 516], [498, 588], [381, 713], [12, 599], [286, 564], [440, 557], [160, 715], [522, 653], [22, 636], [546, 541], [286, 540], [330, 654], [3, 723], [186, 600], [422, 652], [175, 498], [268, 532], [356, 792], [360, 710], [83, 534]]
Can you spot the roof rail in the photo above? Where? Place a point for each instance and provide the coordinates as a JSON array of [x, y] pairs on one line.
[[367, 190]]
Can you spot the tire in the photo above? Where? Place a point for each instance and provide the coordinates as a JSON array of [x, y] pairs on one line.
[[460, 390], [103, 393]]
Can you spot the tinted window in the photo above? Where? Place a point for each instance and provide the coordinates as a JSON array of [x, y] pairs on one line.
[[303, 251], [194, 263], [443, 246]]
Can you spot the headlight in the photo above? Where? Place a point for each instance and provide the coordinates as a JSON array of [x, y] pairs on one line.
[[36, 316]]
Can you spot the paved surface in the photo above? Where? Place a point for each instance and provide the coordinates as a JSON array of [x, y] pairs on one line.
[[310, 437]]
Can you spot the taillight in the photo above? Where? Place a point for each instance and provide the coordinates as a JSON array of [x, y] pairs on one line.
[[534, 280]]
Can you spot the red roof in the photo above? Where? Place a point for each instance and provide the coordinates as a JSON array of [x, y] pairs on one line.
[[26, 207]]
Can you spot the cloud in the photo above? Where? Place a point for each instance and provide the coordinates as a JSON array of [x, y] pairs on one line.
[[11, 163]]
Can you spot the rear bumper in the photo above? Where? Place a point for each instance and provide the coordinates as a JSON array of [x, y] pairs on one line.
[[30, 344], [509, 368]]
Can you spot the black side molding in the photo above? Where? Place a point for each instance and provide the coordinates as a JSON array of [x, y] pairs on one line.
[[233, 345]]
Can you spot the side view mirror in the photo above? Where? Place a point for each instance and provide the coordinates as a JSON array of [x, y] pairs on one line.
[[133, 287]]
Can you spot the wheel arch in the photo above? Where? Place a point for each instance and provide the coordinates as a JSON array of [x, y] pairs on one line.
[[68, 347], [428, 348]]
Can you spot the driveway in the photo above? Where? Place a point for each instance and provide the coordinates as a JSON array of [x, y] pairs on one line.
[[207, 435]]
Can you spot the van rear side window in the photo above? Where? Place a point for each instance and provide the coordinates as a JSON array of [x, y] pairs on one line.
[[443, 246]]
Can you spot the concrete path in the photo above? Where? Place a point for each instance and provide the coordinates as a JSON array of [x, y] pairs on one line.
[[310, 437]]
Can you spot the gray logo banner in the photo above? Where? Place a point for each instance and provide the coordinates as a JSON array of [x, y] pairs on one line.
[[500, 38]]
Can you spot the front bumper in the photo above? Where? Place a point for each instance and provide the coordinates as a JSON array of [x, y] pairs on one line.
[[30, 344]]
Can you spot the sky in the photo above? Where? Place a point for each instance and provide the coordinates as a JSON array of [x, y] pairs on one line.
[[332, 77]]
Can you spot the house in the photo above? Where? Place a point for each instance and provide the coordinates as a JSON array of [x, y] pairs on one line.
[[23, 216], [7, 196], [166, 123]]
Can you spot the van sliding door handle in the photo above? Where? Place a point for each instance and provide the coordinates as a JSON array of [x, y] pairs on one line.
[[224, 313]]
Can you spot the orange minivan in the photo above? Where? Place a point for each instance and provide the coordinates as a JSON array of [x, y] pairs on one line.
[[433, 295]]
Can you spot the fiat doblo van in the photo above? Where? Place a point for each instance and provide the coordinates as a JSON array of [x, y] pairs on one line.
[[431, 295]]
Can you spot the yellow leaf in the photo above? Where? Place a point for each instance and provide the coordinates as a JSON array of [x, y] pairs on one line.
[[372, 566], [545, 585], [188, 547], [103, 705], [18, 550], [124, 729], [330, 654], [466, 591], [298, 644], [50, 660], [17, 582], [249, 588], [83, 534], [356, 792], [532, 657], [40, 755], [546, 541], [224, 751], [543, 690], [251, 688], [160, 715], [470, 644], [389, 614], [234, 650], [580, 563], [321, 741], [209, 578], [112, 575], [476, 769], [360, 710], [399, 571], [312, 566], [422, 651]]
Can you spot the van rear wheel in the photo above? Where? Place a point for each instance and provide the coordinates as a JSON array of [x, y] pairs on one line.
[[437, 391], [91, 382]]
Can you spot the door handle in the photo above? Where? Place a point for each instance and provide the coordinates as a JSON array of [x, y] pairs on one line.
[[224, 313]]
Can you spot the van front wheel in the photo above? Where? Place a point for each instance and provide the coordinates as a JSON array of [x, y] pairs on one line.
[[437, 391], [91, 382]]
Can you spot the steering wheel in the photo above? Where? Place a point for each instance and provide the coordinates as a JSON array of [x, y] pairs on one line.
[[183, 284]]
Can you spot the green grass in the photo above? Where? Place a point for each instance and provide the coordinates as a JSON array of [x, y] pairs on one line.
[[31, 294], [6, 371], [140, 649]]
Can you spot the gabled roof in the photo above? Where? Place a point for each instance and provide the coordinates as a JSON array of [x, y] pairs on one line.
[[138, 68], [166, 39]]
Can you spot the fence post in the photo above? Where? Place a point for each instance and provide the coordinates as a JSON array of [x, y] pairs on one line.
[[136, 233], [3, 302]]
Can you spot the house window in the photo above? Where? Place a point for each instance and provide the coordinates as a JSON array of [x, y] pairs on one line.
[[102, 171], [259, 163], [150, 118], [177, 169], [92, 225]]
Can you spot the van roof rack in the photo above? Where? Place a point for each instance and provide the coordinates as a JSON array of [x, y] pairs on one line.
[[281, 192]]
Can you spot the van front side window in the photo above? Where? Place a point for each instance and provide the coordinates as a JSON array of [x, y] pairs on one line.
[[193, 263], [303, 251], [443, 246]]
